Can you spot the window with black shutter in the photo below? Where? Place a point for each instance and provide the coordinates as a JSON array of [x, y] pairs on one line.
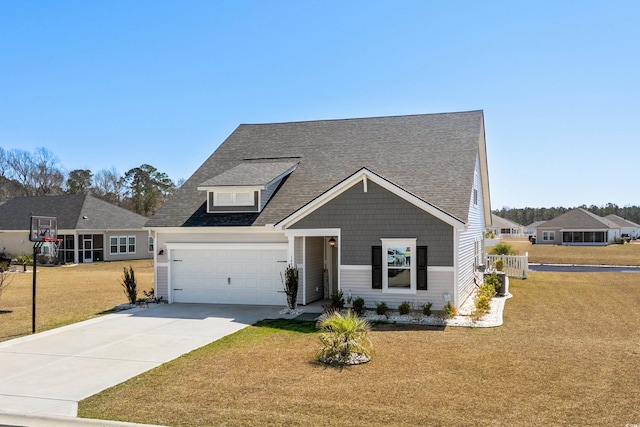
[[376, 267], [421, 268]]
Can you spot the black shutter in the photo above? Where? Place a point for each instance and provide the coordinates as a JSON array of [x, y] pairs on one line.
[[376, 267], [421, 268]]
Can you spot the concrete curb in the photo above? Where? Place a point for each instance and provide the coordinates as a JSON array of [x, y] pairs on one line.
[[23, 420]]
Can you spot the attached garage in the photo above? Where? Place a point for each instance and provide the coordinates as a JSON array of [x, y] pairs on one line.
[[228, 273]]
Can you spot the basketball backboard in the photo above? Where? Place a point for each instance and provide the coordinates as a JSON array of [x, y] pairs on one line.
[[43, 228]]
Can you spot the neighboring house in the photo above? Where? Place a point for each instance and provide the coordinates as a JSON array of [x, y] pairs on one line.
[[91, 229], [389, 209], [531, 229], [577, 227], [627, 228], [503, 227]]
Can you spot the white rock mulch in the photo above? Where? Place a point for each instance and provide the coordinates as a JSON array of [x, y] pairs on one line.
[[490, 320]]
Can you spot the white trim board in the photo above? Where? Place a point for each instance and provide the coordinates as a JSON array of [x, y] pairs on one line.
[[228, 246]]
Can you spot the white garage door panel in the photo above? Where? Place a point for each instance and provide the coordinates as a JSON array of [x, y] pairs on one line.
[[220, 276]]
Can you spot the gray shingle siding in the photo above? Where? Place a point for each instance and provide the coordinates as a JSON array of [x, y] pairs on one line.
[[365, 218]]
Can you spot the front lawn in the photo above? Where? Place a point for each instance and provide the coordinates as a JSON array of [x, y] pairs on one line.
[[567, 354], [66, 294]]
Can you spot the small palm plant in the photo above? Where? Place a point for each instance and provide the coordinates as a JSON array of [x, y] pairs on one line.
[[345, 339]]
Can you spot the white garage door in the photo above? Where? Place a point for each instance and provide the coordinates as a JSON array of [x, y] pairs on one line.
[[228, 276]]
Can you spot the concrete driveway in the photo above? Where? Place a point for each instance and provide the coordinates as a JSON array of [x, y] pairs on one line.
[[50, 372]]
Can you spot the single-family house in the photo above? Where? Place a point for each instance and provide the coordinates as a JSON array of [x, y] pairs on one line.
[[577, 227], [627, 228], [503, 227], [387, 208], [91, 229], [531, 229]]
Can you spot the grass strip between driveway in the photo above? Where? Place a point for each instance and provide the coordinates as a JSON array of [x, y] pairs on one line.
[[568, 353]]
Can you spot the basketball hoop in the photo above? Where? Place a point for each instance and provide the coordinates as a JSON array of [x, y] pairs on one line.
[[42, 229], [51, 239]]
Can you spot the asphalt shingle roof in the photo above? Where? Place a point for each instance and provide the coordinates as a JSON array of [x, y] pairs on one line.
[[621, 221], [499, 222], [578, 219], [250, 174], [432, 156], [80, 211]]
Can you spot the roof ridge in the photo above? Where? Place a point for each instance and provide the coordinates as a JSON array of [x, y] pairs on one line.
[[347, 119]]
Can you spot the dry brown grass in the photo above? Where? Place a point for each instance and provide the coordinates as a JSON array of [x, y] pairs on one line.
[[628, 254], [568, 354], [66, 294]]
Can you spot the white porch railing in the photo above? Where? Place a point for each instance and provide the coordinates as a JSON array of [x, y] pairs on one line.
[[514, 265]]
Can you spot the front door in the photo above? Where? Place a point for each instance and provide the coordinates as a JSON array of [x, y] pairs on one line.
[[87, 249], [331, 269]]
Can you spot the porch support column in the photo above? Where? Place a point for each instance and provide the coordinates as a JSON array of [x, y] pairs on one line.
[[76, 257]]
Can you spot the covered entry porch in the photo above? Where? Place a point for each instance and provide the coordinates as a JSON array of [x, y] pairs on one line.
[[316, 255]]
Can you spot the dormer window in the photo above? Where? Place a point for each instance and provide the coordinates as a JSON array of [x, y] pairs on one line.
[[241, 200], [246, 187], [233, 198]]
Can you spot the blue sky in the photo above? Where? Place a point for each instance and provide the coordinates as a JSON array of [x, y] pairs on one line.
[[115, 84]]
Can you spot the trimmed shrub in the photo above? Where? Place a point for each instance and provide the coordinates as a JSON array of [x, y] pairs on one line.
[[337, 300], [404, 308], [358, 306], [426, 309], [382, 309], [499, 265], [492, 280], [450, 310]]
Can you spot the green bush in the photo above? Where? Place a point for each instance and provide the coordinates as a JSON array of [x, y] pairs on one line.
[[5, 277], [450, 310], [345, 339], [404, 308], [337, 300], [23, 259], [482, 302], [358, 306], [486, 291], [499, 264], [426, 309], [502, 249], [291, 286], [130, 285], [382, 309], [492, 280]]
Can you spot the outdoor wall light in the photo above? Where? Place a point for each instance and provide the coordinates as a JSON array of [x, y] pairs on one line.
[[161, 252], [332, 242]]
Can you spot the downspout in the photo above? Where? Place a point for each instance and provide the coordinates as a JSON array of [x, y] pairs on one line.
[[154, 235], [304, 270], [456, 267]]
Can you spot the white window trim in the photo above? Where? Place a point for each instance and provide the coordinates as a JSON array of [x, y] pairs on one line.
[[118, 244], [551, 236], [234, 198], [387, 243]]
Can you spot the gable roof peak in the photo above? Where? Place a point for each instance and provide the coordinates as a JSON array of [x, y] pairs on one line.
[[349, 119]]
